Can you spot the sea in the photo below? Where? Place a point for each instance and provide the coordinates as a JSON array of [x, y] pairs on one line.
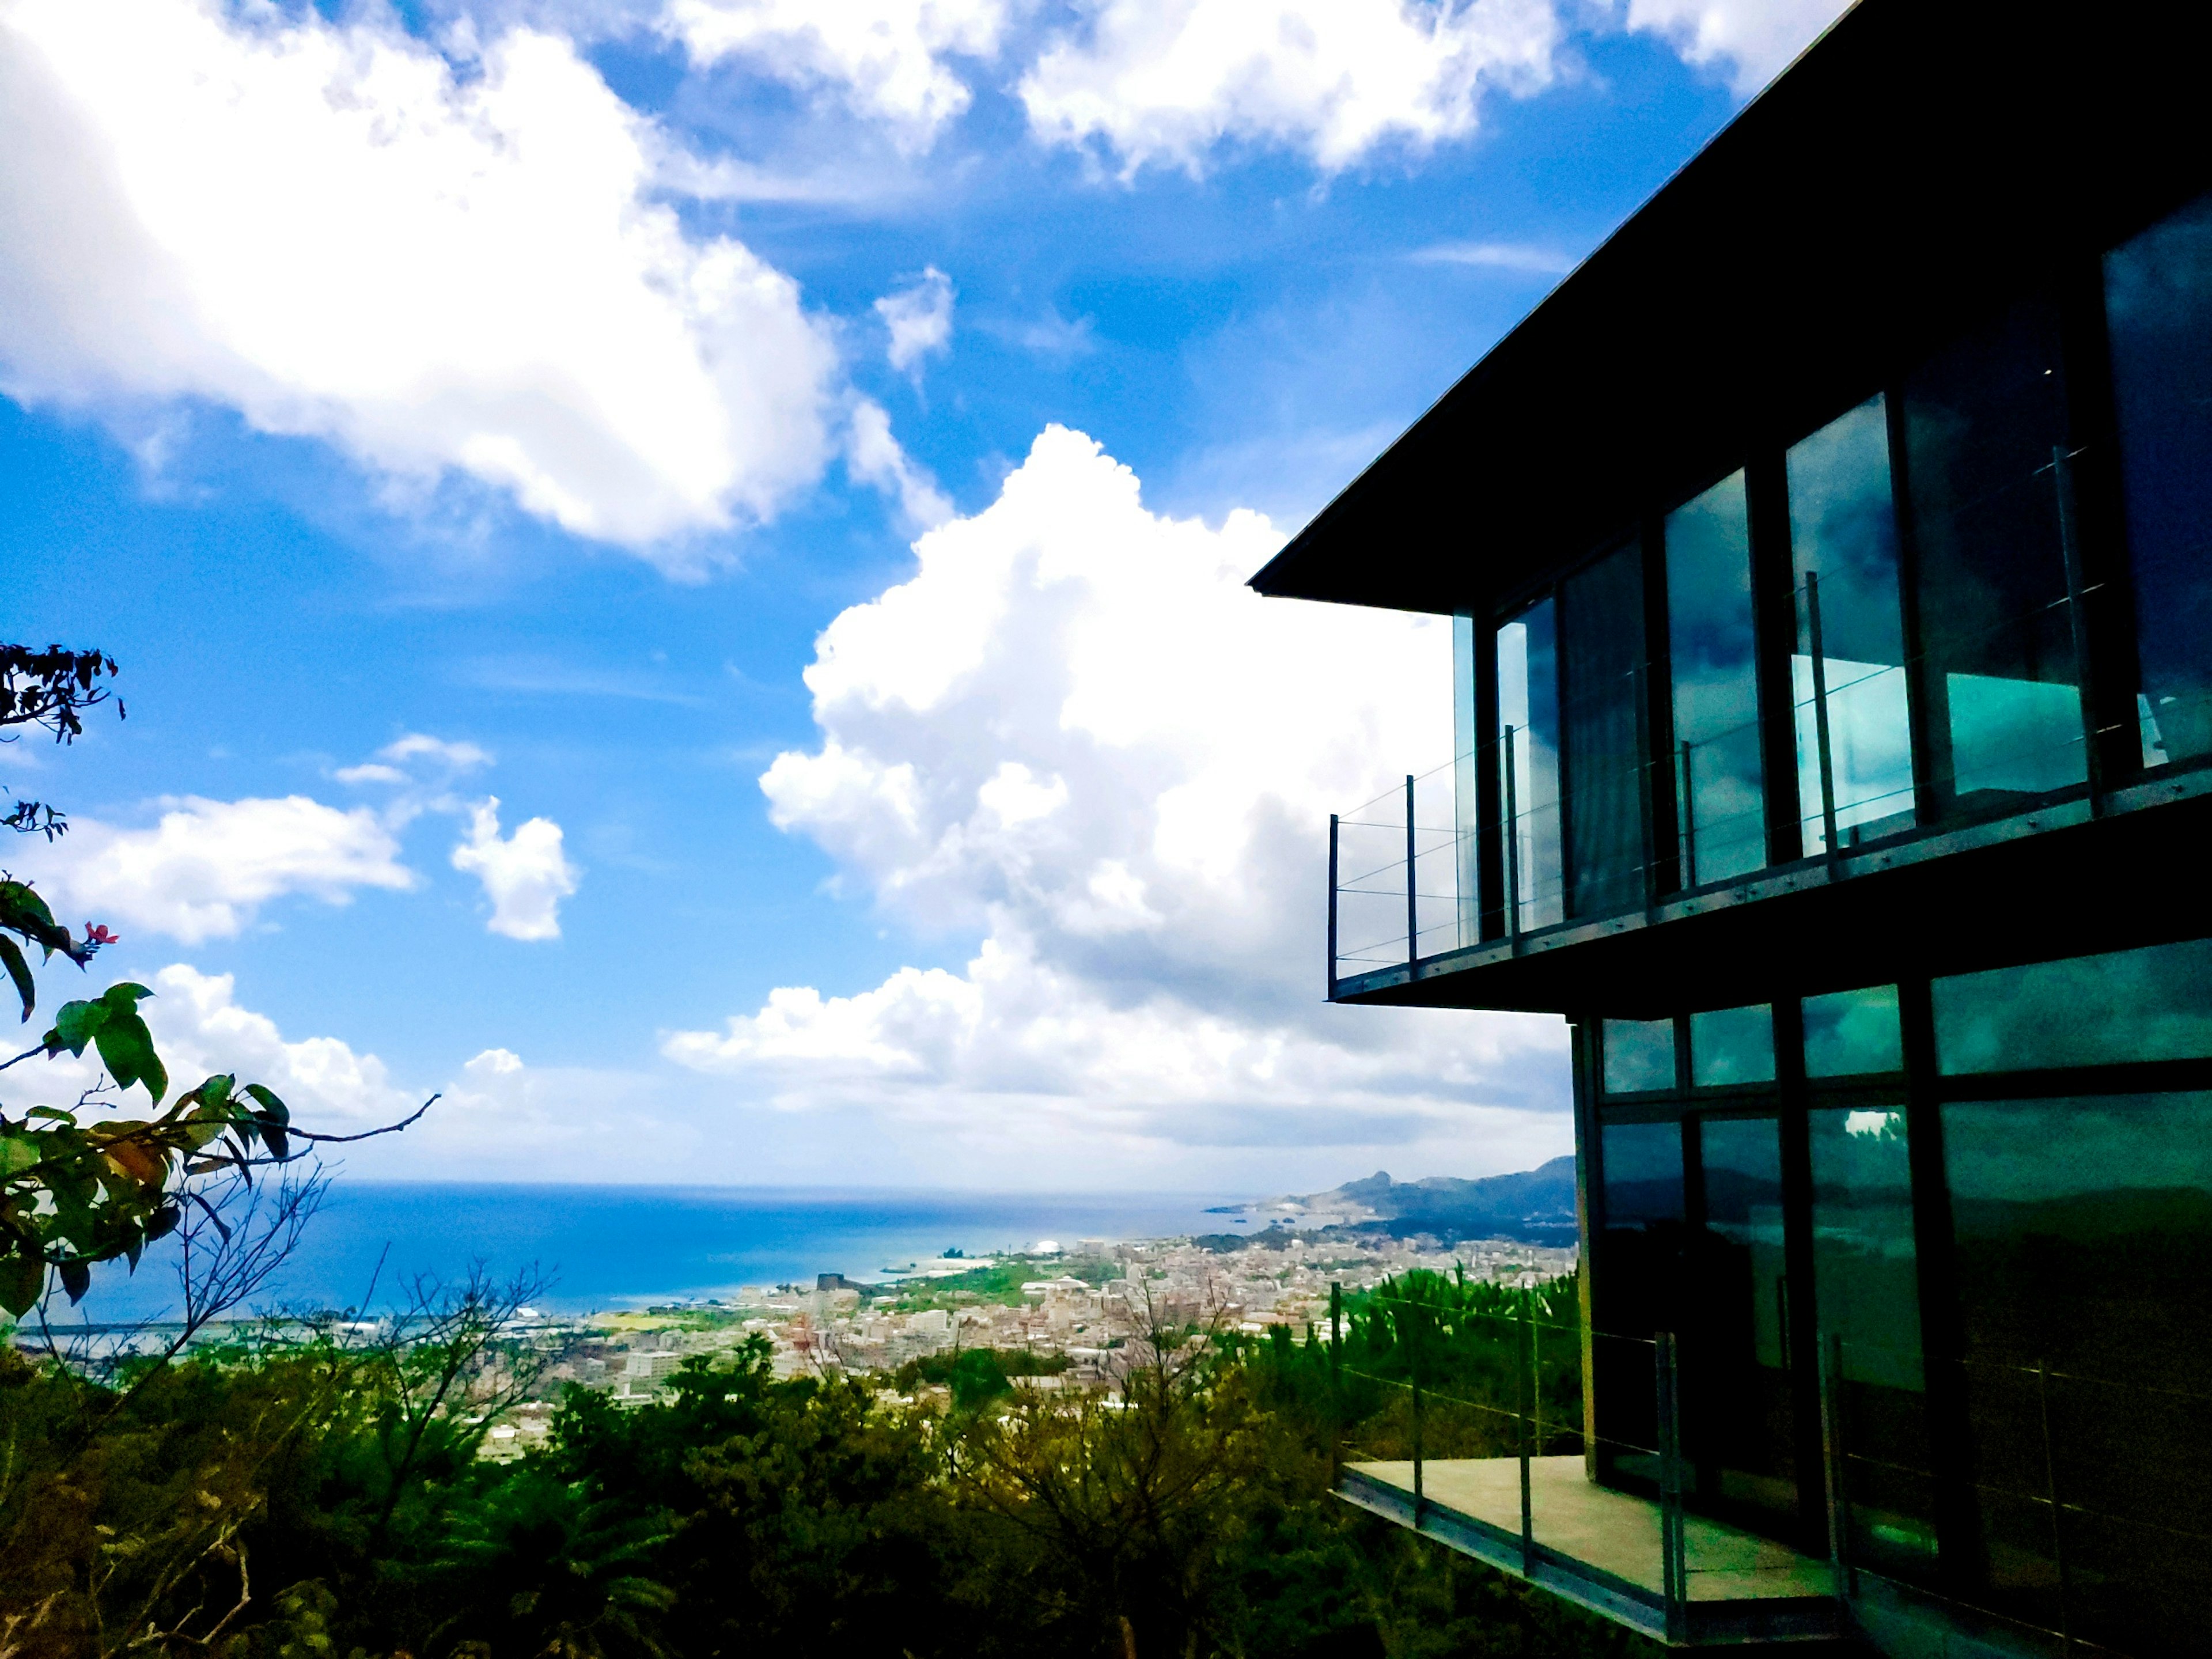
[[610, 1248]]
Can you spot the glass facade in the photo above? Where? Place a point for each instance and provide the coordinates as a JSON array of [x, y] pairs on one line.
[[2037, 1437], [1738, 1416], [1529, 736], [1712, 649], [1848, 661], [1850, 1033], [2083, 1229], [1639, 1055], [1983, 421], [1732, 1045], [2158, 311], [1601, 656], [1867, 1294], [2151, 1004]]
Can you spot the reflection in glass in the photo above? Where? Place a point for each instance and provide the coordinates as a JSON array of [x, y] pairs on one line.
[[2083, 1228], [1636, 1284], [1721, 818], [2152, 1004], [1467, 840], [1528, 707], [1866, 1288], [1739, 1427], [1639, 1055], [1848, 1033], [1732, 1045], [1600, 670], [2158, 308], [1643, 1174], [1843, 535], [1981, 421]]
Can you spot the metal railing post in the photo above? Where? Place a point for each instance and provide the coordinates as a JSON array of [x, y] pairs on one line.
[[1421, 1502], [1821, 710], [2070, 548], [1332, 905], [2057, 1516], [1673, 1566], [1688, 811], [1512, 841], [1526, 1334], [1832, 1451], [1335, 1382], [1413, 899]]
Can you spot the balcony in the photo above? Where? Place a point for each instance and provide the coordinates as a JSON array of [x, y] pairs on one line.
[[2076, 1493], [1419, 914], [1466, 1430]]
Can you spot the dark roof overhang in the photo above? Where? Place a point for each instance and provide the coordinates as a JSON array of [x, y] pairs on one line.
[[1921, 163]]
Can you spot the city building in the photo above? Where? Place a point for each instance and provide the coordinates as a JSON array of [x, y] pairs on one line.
[[1830, 563]]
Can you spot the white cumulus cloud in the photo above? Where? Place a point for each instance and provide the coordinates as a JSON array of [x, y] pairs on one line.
[[1075, 732], [1166, 83], [1752, 39], [918, 318], [883, 58], [526, 875], [331, 228], [204, 870]]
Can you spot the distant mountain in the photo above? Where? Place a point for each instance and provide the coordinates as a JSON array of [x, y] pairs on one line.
[[1534, 1206]]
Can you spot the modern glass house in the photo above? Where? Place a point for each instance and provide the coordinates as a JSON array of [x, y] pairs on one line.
[[1831, 559]]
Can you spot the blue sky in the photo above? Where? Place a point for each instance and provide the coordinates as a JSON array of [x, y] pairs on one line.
[[799, 462]]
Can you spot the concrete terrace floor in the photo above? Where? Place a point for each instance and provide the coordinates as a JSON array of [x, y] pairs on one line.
[[1613, 1531]]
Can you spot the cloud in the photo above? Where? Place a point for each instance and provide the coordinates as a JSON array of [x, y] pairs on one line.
[[882, 58], [207, 866], [1755, 39], [1155, 83], [442, 268], [1496, 256], [1075, 732], [919, 318], [874, 457], [526, 875], [460, 757]]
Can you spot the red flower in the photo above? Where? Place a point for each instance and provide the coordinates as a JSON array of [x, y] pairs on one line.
[[97, 934]]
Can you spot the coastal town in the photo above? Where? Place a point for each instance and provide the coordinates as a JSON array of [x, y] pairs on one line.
[[1076, 1313]]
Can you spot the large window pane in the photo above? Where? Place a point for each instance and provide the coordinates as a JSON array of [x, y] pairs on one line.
[[1867, 1302], [1738, 1416], [2154, 1004], [2083, 1231], [1842, 539], [1848, 1033], [1719, 815], [1637, 1284], [1982, 420], [1601, 671], [1732, 1045], [2158, 302], [1639, 1055], [1529, 722]]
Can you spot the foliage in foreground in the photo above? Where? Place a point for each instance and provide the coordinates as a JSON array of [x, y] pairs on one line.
[[309, 1497]]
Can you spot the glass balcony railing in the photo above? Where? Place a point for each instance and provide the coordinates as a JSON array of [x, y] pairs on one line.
[[2072, 1501]]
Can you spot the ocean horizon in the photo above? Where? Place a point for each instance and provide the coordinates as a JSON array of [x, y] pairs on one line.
[[614, 1247]]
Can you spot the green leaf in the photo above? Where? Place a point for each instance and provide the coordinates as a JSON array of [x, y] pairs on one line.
[[76, 1024], [20, 971], [22, 1282], [17, 1154], [214, 1094], [266, 1099], [76, 1279], [126, 1049]]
